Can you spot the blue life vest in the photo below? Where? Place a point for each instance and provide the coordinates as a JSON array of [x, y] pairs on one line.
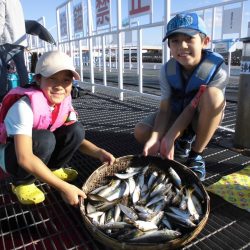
[[184, 92]]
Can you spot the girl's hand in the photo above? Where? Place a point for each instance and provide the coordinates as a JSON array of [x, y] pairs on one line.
[[106, 157], [71, 194]]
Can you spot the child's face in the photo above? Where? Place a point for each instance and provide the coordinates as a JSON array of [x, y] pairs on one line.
[[57, 87], [187, 50]]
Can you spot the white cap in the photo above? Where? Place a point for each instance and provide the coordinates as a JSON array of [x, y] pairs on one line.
[[54, 61]]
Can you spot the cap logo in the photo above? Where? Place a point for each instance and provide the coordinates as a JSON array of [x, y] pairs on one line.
[[180, 22]]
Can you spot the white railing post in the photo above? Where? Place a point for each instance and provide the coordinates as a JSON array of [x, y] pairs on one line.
[[120, 53]]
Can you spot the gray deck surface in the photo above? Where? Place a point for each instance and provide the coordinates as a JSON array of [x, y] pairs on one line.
[[109, 123]]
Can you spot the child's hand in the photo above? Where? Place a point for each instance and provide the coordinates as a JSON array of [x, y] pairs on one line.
[[151, 147], [106, 157], [167, 148], [71, 194]]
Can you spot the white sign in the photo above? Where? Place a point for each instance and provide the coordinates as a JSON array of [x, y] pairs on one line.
[[221, 48], [139, 7], [245, 67], [102, 12], [232, 21]]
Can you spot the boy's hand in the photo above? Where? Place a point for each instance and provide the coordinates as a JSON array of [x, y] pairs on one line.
[[167, 148], [71, 194], [151, 147]]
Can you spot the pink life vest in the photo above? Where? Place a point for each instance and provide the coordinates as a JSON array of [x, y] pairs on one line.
[[40, 107]]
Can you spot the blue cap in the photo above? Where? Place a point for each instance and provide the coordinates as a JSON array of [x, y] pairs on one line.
[[185, 23]]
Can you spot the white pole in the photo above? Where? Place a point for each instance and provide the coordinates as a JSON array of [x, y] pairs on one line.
[[80, 59], [70, 30], [90, 27], [120, 54], [104, 61], [166, 54], [140, 65]]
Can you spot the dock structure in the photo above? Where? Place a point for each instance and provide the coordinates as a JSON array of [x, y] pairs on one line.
[[109, 123]]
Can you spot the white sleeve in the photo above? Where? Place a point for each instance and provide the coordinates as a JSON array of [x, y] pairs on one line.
[[19, 118]]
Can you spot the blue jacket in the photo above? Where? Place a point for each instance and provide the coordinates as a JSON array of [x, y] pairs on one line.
[[184, 92]]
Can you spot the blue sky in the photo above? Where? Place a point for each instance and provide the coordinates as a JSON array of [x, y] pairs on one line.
[[47, 8]]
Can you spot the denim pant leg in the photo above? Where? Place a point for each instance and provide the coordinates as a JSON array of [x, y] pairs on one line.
[[43, 146], [68, 141]]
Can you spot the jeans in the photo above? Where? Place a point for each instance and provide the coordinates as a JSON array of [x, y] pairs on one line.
[[55, 149], [16, 53]]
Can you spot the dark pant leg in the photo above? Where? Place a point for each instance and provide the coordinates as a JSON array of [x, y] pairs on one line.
[[43, 146], [21, 69], [3, 72], [68, 140]]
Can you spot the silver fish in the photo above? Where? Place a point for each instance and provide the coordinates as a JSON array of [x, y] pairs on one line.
[[143, 209], [129, 212], [157, 218], [132, 185], [95, 215], [119, 192], [154, 200], [145, 225], [156, 236], [114, 225], [175, 177], [90, 208], [126, 175], [111, 187], [117, 216], [97, 190], [136, 194], [190, 205], [183, 221], [152, 179]]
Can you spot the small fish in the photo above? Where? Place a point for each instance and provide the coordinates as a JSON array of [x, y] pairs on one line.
[[175, 177], [111, 187], [114, 225], [166, 222], [152, 179], [119, 192], [136, 194], [157, 218], [97, 190], [117, 215], [126, 175], [129, 212], [144, 209], [132, 185], [90, 208], [182, 221], [145, 225], [156, 236], [190, 205], [154, 200], [95, 215]]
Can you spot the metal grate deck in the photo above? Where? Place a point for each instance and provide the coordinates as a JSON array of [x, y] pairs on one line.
[[109, 123]]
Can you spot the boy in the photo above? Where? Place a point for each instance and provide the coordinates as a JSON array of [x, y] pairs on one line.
[[39, 132], [193, 86]]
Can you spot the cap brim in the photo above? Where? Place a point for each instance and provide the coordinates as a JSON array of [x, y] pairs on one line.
[[50, 73], [189, 32], [76, 75]]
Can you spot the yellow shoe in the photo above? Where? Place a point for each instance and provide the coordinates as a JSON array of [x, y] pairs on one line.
[[65, 174], [28, 194]]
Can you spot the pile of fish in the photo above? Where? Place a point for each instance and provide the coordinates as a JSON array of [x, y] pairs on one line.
[[145, 205]]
